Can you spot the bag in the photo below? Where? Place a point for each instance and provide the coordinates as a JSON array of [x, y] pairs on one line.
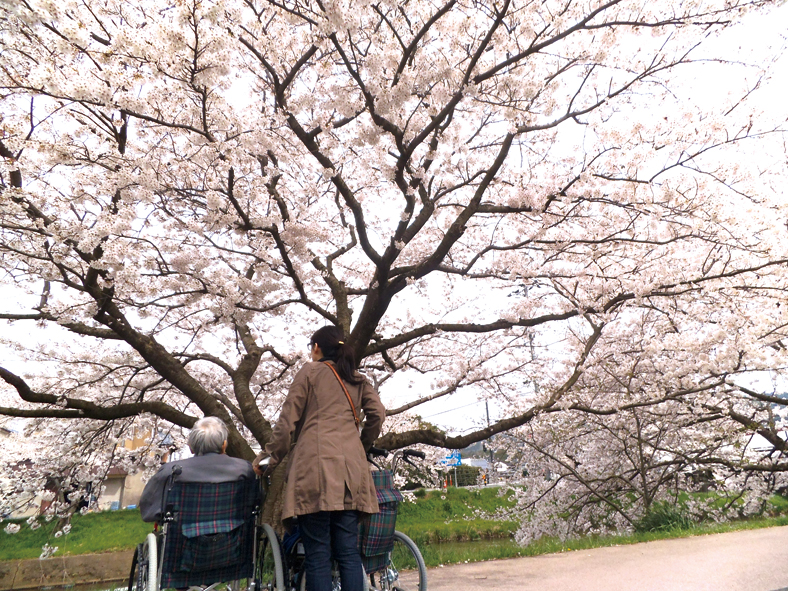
[[376, 533], [211, 545]]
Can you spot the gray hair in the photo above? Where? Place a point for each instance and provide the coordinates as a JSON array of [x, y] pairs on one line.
[[207, 436]]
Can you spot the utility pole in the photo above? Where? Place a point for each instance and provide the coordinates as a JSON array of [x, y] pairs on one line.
[[487, 408]]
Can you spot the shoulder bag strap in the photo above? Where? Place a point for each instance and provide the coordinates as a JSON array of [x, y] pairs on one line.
[[349, 399]]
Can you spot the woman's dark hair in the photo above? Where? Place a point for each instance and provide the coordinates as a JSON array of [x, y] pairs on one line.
[[330, 339]]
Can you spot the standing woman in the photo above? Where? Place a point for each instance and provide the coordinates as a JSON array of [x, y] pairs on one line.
[[328, 479]]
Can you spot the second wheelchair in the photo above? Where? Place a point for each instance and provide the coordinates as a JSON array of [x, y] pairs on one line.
[[391, 560]]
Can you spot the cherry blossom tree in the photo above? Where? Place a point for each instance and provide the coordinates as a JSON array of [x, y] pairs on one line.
[[626, 459], [640, 469], [484, 195]]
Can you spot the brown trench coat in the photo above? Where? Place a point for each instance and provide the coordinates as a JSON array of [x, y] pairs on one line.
[[328, 469]]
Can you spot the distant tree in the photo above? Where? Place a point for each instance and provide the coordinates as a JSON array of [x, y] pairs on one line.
[[642, 428], [646, 468]]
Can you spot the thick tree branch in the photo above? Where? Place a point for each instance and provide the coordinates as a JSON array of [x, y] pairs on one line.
[[75, 327], [759, 396], [242, 377], [89, 410], [440, 439]]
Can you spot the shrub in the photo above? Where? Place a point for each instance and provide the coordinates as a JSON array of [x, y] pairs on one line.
[[664, 516]]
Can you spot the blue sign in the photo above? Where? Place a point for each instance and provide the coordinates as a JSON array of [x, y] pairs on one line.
[[453, 459]]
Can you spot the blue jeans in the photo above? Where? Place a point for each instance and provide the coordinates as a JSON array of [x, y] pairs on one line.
[[331, 535]]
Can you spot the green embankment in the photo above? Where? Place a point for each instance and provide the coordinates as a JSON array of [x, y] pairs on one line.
[[457, 515], [456, 526], [448, 530], [449, 527]]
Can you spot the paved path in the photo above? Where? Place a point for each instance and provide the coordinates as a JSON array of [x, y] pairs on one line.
[[752, 560]]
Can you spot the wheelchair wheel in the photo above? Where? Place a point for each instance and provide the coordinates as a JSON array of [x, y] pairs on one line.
[[296, 581], [144, 566], [270, 574], [405, 570]]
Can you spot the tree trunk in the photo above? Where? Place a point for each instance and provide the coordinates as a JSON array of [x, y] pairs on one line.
[[275, 497]]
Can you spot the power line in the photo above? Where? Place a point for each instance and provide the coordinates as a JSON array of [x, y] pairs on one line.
[[452, 409]]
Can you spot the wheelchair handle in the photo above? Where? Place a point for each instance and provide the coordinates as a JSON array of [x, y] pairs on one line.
[[378, 452]]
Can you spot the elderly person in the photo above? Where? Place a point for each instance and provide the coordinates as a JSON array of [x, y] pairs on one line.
[[329, 484], [208, 442]]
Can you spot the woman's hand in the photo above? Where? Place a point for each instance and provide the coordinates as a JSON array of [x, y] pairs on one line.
[[260, 464]]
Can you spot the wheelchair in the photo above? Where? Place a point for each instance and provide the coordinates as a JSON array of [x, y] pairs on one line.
[[210, 537], [390, 559]]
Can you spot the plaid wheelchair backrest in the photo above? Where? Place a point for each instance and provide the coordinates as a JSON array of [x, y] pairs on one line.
[[384, 486], [376, 533], [211, 536]]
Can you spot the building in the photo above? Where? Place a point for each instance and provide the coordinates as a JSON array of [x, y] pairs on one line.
[[122, 490]]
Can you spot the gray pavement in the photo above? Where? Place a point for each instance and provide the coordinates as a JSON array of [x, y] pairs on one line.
[[753, 560]]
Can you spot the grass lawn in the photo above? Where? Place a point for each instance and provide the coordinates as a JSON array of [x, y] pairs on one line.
[[95, 532], [445, 532]]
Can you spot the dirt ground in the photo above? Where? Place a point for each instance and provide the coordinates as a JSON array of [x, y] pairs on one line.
[[753, 560]]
